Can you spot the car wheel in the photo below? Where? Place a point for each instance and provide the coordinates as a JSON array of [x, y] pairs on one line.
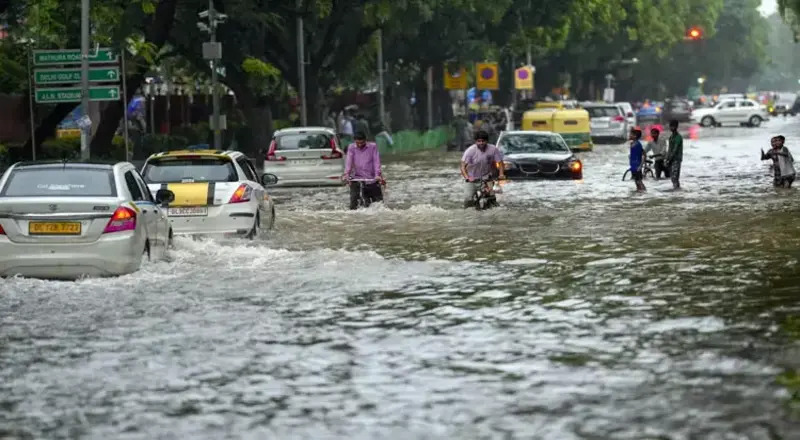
[[256, 229], [755, 121], [707, 121]]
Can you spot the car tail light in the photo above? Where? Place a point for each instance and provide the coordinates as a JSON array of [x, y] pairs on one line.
[[124, 219], [618, 118], [2, 232], [271, 153], [242, 194], [335, 153]]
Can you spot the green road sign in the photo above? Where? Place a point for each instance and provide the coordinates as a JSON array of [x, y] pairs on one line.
[[73, 94], [72, 56], [67, 76]]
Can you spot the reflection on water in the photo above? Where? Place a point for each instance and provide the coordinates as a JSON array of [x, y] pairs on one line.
[[578, 310]]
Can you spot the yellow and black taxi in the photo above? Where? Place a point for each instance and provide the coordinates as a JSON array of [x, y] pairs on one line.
[[529, 155], [216, 192]]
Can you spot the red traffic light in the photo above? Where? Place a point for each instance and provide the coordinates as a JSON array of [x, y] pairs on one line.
[[695, 33]]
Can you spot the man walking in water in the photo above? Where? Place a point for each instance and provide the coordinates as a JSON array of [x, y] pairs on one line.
[[637, 159], [782, 163], [675, 155]]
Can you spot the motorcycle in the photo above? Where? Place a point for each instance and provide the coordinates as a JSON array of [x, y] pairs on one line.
[[484, 196]]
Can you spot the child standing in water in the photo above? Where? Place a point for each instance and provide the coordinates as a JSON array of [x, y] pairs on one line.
[[782, 162]]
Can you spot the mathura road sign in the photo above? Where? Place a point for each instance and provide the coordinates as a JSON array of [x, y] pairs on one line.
[[72, 56]]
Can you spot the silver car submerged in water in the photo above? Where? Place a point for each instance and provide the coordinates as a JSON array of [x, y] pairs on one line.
[[67, 220], [306, 156]]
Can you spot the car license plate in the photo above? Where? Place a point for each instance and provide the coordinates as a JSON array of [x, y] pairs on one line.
[[188, 212], [54, 228]]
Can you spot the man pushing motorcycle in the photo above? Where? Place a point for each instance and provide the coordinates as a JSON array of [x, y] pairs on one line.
[[478, 160]]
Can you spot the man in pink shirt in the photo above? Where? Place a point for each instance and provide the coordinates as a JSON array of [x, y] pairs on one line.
[[478, 160], [362, 171]]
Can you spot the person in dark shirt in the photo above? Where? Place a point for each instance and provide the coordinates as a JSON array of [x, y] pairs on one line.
[[637, 159], [675, 155]]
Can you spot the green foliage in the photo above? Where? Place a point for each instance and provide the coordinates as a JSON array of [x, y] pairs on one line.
[[69, 147]]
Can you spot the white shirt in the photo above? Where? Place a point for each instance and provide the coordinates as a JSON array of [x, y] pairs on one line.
[[658, 148]]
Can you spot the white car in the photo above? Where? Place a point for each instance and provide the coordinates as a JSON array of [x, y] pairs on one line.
[[630, 115], [306, 156], [732, 111], [66, 220], [607, 121], [216, 192]]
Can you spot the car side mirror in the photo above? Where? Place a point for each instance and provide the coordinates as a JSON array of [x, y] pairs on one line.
[[164, 197], [269, 179]]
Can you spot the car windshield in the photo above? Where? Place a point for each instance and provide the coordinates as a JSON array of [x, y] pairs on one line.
[[190, 169], [532, 143], [603, 112], [60, 181], [304, 141]]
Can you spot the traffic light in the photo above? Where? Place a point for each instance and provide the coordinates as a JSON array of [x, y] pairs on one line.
[[694, 33]]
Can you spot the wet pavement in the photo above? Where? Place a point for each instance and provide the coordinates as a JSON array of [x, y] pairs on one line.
[[577, 310]]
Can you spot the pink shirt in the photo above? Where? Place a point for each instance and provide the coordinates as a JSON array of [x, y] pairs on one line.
[[363, 163]]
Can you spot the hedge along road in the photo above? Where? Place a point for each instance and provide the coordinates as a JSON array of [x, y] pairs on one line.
[[577, 310]]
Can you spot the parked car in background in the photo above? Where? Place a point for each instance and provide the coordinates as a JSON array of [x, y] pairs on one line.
[[732, 111], [785, 105], [676, 110], [630, 115], [216, 192], [306, 156], [532, 155], [607, 121], [67, 220]]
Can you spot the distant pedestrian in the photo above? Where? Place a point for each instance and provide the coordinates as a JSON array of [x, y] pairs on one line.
[[637, 159], [782, 163], [675, 155]]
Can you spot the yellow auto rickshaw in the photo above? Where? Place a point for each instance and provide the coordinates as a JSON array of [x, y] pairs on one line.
[[572, 125]]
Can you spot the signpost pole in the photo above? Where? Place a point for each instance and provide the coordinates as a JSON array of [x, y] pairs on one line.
[[214, 81], [382, 105], [86, 133], [31, 92], [125, 104], [301, 65]]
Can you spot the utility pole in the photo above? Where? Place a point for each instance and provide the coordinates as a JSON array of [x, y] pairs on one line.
[[430, 98], [301, 65], [86, 133], [381, 103], [214, 78], [212, 51]]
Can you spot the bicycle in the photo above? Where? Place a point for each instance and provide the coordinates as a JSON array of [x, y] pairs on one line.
[[484, 195], [365, 201], [647, 169]]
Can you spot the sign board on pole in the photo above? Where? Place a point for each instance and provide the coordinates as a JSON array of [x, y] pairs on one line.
[[523, 78], [487, 76], [456, 79], [608, 95], [69, 76], [73, 94], [72, 56]]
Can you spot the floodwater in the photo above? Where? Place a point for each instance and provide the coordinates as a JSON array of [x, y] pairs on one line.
[[576, 310]]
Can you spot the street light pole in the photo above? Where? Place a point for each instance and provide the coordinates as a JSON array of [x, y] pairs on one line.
[[381, 103], [301, 65], [212, 22], [86, 133]]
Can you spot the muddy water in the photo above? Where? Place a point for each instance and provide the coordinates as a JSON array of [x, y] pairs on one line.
[[577, 310]]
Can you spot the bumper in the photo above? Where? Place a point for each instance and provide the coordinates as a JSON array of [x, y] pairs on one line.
[[588, 146], [235, 219], [561, 175], [111, 255], [609, 133]]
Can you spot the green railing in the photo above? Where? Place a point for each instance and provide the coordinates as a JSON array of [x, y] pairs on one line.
[[409, 141]]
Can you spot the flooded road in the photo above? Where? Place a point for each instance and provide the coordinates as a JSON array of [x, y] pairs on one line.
[[577, 310]]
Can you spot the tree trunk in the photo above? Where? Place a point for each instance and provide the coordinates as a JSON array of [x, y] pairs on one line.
[[157, 34], [400, 108], [47, 128], [314, 99], [258, 114]]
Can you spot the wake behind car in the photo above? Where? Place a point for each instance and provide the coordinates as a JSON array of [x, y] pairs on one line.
[[65, 220], [216, 192], [306, 156], [530, 155]]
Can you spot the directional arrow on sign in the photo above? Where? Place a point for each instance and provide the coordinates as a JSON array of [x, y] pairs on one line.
[[71, 76]]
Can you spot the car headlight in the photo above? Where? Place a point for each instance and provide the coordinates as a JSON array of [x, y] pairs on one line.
[[575, 166], [508, 165]]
